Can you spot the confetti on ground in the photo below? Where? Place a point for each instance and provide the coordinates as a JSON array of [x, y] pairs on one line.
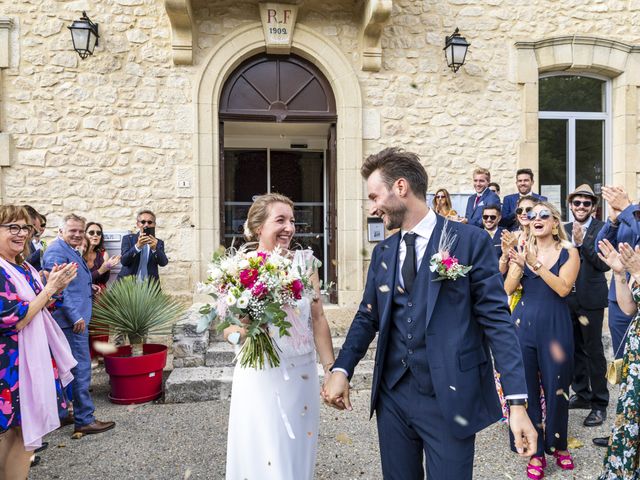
[[574, 443], [584, 321], [383, 288], [76, 436], [105, 348], [344, 439], [187, 474], [460, 420]]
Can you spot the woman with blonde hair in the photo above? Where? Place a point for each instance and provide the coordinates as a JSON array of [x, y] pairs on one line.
[[442, 204], [30, 386], [274, 413], [546, 267]]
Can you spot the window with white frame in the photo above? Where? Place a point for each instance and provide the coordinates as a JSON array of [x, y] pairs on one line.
[[574, 135]]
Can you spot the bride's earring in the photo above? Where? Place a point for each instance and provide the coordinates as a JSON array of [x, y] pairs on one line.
[[554, 230]]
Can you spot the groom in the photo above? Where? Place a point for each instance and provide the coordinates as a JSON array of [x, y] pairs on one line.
[[433, 385]]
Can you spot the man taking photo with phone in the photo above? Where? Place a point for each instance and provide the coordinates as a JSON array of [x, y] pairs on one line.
[[142, 252]]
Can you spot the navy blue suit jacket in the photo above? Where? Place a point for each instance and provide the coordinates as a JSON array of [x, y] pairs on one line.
[[130, 259], [464, 318], [497, 244], [627, 230], [473, 214], [509, 203], [76, 298]]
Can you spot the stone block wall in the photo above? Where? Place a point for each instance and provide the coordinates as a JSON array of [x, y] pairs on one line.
[[108, 135]]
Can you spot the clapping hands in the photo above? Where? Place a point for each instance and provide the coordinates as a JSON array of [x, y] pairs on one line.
[[630, 259], [617, 200], [610, 256]]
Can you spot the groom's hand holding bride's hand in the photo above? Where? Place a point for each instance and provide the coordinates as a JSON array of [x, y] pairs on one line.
[[335, 391], [524, 433]]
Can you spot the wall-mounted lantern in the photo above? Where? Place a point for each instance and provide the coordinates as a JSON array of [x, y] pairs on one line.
[[455, 50], [84, 34]]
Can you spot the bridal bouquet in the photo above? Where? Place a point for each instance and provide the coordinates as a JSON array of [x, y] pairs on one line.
[[250, 289]]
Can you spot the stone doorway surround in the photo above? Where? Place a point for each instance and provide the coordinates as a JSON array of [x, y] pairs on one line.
[[585, 54], [246, 42]]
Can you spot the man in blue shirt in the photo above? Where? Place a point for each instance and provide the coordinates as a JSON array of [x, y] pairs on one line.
[[524, 183]]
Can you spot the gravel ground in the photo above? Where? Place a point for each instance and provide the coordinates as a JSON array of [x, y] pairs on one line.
[[179, 441]]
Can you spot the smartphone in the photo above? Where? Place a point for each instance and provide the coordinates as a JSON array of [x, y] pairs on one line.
[[149, 231]]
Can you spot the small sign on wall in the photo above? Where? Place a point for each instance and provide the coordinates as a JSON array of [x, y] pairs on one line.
[[375, 229], [278, 21]]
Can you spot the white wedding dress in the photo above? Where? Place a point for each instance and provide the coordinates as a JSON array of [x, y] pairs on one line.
[[274, 414]]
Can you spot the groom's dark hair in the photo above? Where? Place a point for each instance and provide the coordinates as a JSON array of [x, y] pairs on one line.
[[394, 163]]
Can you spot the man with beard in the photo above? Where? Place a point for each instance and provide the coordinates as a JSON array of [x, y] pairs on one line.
[[524, 183], [433, 387], [490, 221], [587, 303]]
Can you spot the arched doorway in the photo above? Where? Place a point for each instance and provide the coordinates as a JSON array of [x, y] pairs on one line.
[[277, 124]]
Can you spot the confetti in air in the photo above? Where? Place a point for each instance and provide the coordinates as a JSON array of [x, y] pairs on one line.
[[383, 288], [460, 420], [557, 352], [584, 321], [105, 348]]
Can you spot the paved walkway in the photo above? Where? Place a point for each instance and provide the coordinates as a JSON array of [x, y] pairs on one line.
[[158, 441]]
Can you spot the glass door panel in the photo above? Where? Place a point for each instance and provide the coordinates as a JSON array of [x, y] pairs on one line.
[[590, 155], [300, 176], [553, 160], [245, 176]]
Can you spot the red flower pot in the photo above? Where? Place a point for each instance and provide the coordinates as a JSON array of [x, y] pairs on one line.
[[136, 379]]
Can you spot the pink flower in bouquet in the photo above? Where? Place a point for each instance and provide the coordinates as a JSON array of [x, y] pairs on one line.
[[259, 290], [296, 288], [449, 262], [248, 277], [263, 256]]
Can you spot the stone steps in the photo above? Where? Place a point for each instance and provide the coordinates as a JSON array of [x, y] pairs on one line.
[[198, 384]]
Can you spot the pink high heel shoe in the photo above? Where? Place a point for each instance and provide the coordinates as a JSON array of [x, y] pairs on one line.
[[536, 472], [565, 462]]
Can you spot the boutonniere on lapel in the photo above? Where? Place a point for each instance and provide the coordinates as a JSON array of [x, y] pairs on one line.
[[443, 262]]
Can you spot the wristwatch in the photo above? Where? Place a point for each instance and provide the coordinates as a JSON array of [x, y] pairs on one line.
[[536, 266], [518, 401]]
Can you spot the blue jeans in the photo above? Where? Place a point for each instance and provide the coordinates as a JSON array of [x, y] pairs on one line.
[[82, 403]]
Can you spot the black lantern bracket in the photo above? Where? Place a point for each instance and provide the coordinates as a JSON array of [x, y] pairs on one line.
[[455, 50], [85, 36]]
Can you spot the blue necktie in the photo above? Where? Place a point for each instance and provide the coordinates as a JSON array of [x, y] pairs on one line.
[[144, 259]]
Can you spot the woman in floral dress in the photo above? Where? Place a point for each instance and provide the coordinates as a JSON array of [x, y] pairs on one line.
[[30, 388], [622, 461]]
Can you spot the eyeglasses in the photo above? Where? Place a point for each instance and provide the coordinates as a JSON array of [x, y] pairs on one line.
[[146, 222], [441, 196], [586, 203], [489, 217], [520, 210], [542, 215], [15, 229], [94, 233]]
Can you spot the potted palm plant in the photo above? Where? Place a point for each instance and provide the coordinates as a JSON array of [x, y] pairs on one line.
[[136, 309]]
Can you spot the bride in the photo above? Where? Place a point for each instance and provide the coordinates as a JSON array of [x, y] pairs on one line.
[[274, 414]]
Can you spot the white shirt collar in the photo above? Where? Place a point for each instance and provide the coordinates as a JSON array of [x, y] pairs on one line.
[[586, 224], [424, 226]]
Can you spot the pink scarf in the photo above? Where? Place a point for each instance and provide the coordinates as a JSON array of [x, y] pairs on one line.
[[38, 399]]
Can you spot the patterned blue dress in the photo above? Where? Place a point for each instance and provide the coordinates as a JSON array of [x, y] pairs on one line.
[[12, 310]]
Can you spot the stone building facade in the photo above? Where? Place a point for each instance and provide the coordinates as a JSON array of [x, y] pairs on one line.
[[144, 121]]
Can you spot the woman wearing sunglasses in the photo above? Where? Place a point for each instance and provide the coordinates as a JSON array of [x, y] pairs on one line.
[[97, 258], [546, 268], [442, 205], [519, 236]]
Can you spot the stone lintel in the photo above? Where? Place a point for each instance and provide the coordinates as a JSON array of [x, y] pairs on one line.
[[180, 15], [375, 16]]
